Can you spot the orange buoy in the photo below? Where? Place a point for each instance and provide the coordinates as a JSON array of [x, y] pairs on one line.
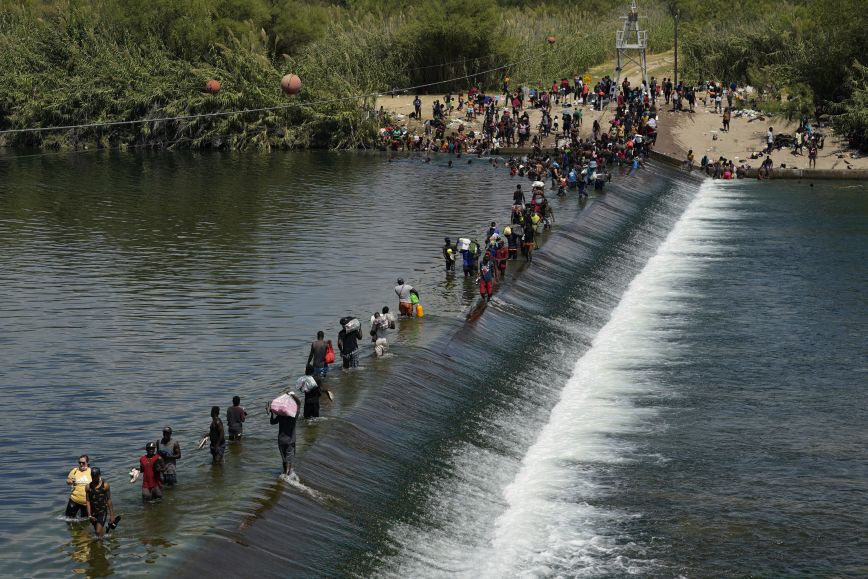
[[551, 39], [212, 86], [290, 84]]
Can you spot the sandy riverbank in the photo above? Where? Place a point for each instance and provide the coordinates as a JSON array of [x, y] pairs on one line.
[[701, 131], [678, 132]]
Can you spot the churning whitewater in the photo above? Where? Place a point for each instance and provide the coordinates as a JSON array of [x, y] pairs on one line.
[[544, 514]]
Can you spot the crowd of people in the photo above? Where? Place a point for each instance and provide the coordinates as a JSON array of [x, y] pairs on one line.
[[90, 495], [505, 118], [577, 163]]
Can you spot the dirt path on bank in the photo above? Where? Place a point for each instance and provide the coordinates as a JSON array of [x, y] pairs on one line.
[[678, 132]]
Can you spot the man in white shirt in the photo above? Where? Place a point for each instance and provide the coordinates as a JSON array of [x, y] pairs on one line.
[[380, 324]]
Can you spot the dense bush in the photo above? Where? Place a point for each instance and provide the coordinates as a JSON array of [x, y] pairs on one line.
[[86, 61], [803, 51], [90, 61]]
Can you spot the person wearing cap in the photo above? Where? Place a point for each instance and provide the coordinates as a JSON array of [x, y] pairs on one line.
[[78, 478], [286, 435], [216, 435], [405, 305], [170, 451], [449, 254], [99, 504], [150, 467]]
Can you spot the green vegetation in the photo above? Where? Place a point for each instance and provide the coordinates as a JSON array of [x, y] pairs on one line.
[[72, 62], [803, 54]]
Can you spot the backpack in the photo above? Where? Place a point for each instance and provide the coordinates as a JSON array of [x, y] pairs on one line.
[[329, 353]]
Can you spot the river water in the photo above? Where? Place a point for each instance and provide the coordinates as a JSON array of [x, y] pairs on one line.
[[674, 387]]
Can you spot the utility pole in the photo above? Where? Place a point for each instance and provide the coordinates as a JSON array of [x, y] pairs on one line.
[[676, 47]]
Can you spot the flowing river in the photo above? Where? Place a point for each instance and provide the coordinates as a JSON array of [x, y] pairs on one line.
[[674, 387]]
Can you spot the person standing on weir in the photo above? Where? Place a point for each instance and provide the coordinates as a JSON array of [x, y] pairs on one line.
[[405, 306]]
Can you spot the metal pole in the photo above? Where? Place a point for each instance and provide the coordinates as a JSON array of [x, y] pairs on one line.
[[676, 48]]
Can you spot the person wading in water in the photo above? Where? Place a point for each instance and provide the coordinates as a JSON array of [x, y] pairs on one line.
[[285, 436], [99, 504]]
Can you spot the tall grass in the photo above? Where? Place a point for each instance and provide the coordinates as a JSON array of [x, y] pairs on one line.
[[69, 63]]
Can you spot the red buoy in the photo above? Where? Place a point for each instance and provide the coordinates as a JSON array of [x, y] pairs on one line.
[[212, 86], [290, 84], [551, 39]]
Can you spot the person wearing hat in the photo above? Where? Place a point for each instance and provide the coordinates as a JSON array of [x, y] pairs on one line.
[[449, 254], [150, 467], [286, 435], [99, 504], [405, 305], [170, 451]]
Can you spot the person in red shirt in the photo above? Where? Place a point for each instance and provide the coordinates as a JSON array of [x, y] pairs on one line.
[[151, 467], [500, 257]]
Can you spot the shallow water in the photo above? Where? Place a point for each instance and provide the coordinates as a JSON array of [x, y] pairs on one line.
[[653, 396], [140, 290]]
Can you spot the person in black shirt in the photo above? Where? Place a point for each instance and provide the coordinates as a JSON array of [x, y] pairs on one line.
[[286, 436], [348, 344], [235, 416], [100, 509], [217, 435], [449, 251], [528, 244]]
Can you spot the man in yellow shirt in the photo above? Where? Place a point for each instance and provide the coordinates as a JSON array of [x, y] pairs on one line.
[[78, 479]]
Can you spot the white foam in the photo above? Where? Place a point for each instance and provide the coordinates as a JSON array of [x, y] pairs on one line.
[[550, 525], [293, 481], [494, 513]]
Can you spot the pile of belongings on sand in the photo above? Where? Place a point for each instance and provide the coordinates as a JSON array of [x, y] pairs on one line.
[[750, 115]]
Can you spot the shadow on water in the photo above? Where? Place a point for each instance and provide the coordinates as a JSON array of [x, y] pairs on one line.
[[91, 557]]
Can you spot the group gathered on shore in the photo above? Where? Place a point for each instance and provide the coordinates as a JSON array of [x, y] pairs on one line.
[[582, 159]]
